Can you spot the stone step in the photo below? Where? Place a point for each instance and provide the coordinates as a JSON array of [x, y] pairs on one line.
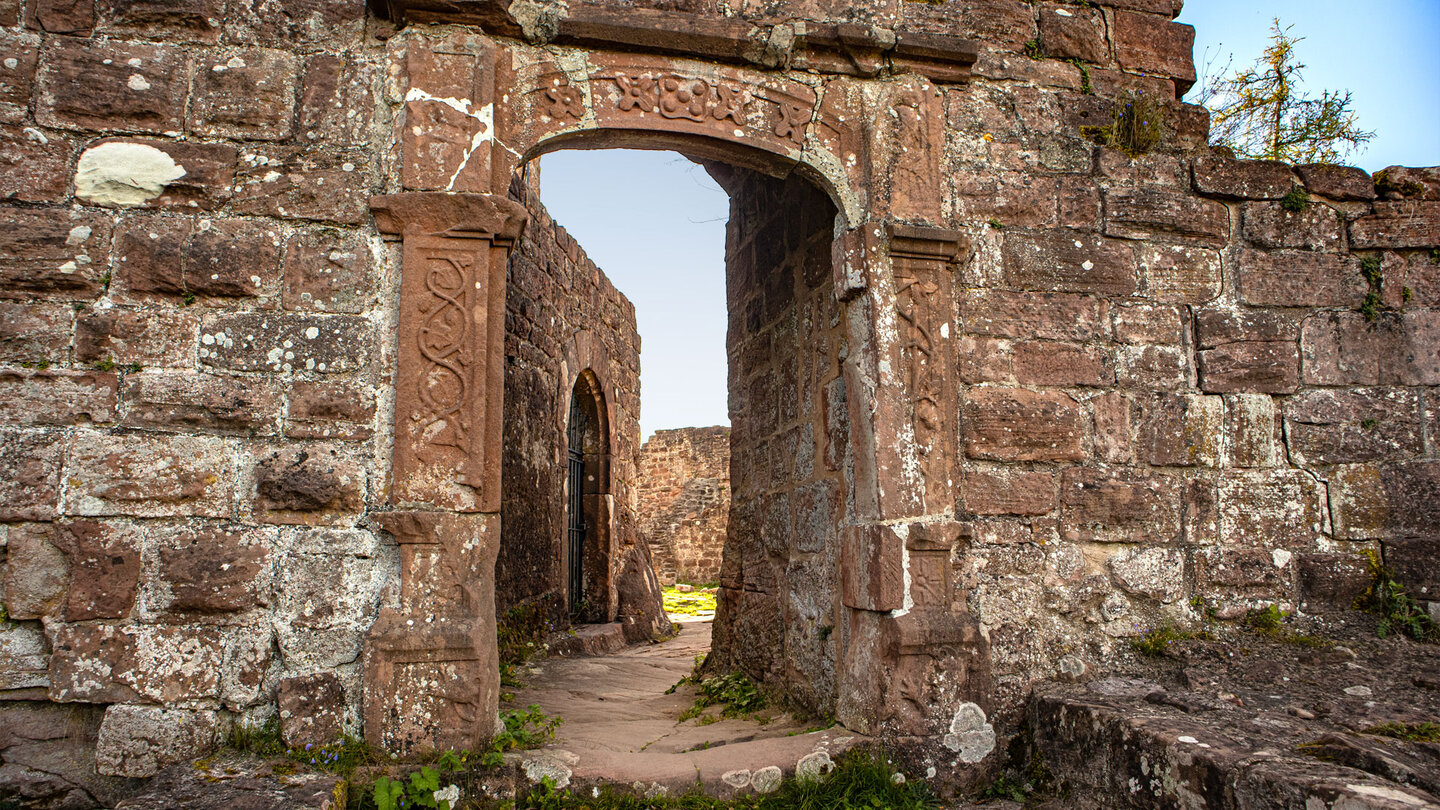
[[588, 640], [232, 783]]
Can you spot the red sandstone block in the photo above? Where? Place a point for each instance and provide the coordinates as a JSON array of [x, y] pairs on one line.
[[33, 167], [1009, 424], [1068, 261], [56, 397], [1079, 203], [212, 570], [337, 101], [1385, 500], [1263, 367], [1001, 66], [336, 23], [52, 253], [1243, 179], [1146, 213], [36, 573], [1218, 327], [1008, 24], [1111, 84], [1119, 506], [1159, 368], [150, 257], [1415, 561], [187, 402], [103, 663], [1061, 364], [1398, 225], [148, 475], [276, 342], [1170, 8], [1144, 324], [1332, 582], [1148, 170], [1274, 508], [304, 184], [1182, 430], [104, 565], [1347, 426], [1057, 316], [1156, 45], [9, 13], [1243, 572], [164, 20], [1345, 348], [1299, 279], [35, 332], [313, 485], [1014, 199], [1418, 273], [327, 270], [150, 338], [1269, 225], [209, 173], [233, 258], [244, 94], [111, 86], [1112, 427], [1337, 182], [1253, 431], [17, 78], [30, 474], [1408, 183], [1007, 492], [75, 17], [1179, 274], [870, 576], [1073, 32], [983, 360]]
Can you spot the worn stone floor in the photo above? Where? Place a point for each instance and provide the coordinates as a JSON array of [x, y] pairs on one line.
[[621, 726]]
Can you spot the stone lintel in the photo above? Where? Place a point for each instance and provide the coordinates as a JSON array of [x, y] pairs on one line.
[[438, 213]]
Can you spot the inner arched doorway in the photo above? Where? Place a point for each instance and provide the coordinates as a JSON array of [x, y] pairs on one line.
[[586, 550]]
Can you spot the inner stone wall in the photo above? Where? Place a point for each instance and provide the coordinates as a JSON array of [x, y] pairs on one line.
[[563, 316], [684, 501], [778, 608]]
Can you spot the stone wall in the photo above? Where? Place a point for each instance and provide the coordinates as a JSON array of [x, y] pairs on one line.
[[684, 495], [563, 317]]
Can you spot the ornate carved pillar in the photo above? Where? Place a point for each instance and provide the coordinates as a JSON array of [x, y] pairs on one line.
[[431, 678]]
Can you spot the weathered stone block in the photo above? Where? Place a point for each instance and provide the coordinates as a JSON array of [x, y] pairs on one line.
[[34, 167], [1385, 500], [1154, 368], [1153, 573], [110, 86], [149, 337], [1398, 225], [1346, 348], [1252, 429], [295, 22], [1179, 274], [1053, 363], [63, 16], [1008, 24], [311, 709], [1218, 327], [1341, 183], [1010, 424], [871, 576], [1279, 508], [304, 184], [29, 474], [327, 270], [1332, 426], [329, 344], [1069, 261], [92, 663], [201, 176], [1119, 506], [36, 573], [816, 510], [52, 253], [1155, 45], [1147, 213], [1243, 179], [1331, 582], [314, 485], [214, 571], [99, 663], [150, 257], [1112, 427], [137, 741], [200, 403], [1182, 430], [1295, 279], [1270, 225], [1415, 562], [35, 332], [17, 78], [1013, 198], [328, 584], [337, 101], [104, 560], [166, 20], [56, 397], [1146, 324], [147, 475], [1049, 316], [1007, 492], [343, 410], [246, 94], [1070, 32], [24, 660], [233, 258], [1264, 367], [1244, 572]]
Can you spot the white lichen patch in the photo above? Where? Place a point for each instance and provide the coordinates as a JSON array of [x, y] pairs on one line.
[[124, 174], [812, 767], [767, 780], [971, 735]]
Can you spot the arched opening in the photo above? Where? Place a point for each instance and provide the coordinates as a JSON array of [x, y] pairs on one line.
[[586, 550]]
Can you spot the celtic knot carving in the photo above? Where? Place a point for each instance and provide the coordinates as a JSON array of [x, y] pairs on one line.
[[444, 344]]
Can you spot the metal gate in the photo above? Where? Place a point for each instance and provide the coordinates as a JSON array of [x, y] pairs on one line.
[[575, 547]]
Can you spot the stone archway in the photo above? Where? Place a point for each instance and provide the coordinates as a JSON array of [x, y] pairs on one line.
[[909, 661]]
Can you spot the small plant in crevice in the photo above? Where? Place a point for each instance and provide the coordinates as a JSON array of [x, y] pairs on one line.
[[995, 224], [1086, 87], [108, 364], [1372, 270], [1035, 49], [1410, 732], [1135, 126], [1297, 200], [735, 692], [524, 728], [1398, 611], [1435, 256], [1155, 642], [1270, 621]]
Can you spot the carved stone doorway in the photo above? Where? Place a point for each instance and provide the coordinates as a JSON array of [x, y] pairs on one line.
[[587, 549]]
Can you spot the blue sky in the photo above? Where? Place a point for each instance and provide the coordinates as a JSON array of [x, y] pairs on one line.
[[656, 222]]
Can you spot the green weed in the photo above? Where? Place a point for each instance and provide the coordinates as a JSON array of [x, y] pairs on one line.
[[524, 728], [1154, 643], [1412, 732], [735, 692], [1297, 200], [1134, 128], [1398, 611]]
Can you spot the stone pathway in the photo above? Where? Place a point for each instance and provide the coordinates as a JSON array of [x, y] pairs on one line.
[[621, 728]]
